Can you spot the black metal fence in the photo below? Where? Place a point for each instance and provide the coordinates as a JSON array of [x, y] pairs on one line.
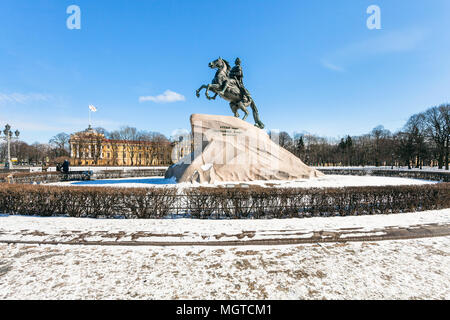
[[50, 177]]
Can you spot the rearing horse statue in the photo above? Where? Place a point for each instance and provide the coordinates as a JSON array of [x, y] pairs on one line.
[[231, 90]]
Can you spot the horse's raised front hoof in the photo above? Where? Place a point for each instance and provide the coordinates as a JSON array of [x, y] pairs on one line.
[[197, 94]]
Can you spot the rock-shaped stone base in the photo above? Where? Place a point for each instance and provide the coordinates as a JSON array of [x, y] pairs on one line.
[[228, 149]]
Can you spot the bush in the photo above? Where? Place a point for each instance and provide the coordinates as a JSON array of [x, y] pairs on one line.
[[258, 202], [86, 202], [233, 203]]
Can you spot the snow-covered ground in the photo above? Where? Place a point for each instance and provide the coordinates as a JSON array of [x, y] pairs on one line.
[[20, 228], [330, 181], [404, 168], [403, 269], [400, 269]]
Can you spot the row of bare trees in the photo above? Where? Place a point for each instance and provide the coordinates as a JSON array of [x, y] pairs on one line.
[[58, 149], [128, 137], [424, 140]]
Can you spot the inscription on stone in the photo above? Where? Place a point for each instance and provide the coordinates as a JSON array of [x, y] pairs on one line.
[[229, 131]]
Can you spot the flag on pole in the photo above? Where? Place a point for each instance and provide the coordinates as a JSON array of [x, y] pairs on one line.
[[92, 108]]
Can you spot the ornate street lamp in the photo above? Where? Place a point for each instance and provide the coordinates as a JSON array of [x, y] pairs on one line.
[[8, 136]]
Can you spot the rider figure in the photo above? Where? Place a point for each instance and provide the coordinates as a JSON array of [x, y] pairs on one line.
[[237, 74]]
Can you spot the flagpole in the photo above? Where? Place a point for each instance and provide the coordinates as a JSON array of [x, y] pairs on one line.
[[91, 109]]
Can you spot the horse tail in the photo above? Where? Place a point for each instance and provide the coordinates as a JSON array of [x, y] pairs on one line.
[[258, 122]]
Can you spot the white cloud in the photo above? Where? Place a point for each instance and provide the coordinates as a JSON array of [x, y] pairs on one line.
[[387, 43], [23, 98], [167, 97]]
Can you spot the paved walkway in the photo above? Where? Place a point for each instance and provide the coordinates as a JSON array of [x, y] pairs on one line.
[[245, 238]]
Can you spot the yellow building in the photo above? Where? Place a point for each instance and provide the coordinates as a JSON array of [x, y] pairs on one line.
[[91, 148]]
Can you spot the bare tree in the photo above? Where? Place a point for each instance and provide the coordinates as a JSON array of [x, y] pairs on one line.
[[128, 135], [415, 129], [60, 143], [436, 120], [380, 135], [283, 139], [115, 136]]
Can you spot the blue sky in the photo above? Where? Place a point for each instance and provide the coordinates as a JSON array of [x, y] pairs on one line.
[[311, 66]]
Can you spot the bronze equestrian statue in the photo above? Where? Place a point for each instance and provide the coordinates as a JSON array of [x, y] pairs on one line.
[[228, 84]]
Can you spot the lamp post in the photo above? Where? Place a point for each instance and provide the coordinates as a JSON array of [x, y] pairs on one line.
[[8, 136]]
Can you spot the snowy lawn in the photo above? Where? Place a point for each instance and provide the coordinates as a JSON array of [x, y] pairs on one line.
[[21, 228], [404, 269], [400, 269], [328, 181]]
